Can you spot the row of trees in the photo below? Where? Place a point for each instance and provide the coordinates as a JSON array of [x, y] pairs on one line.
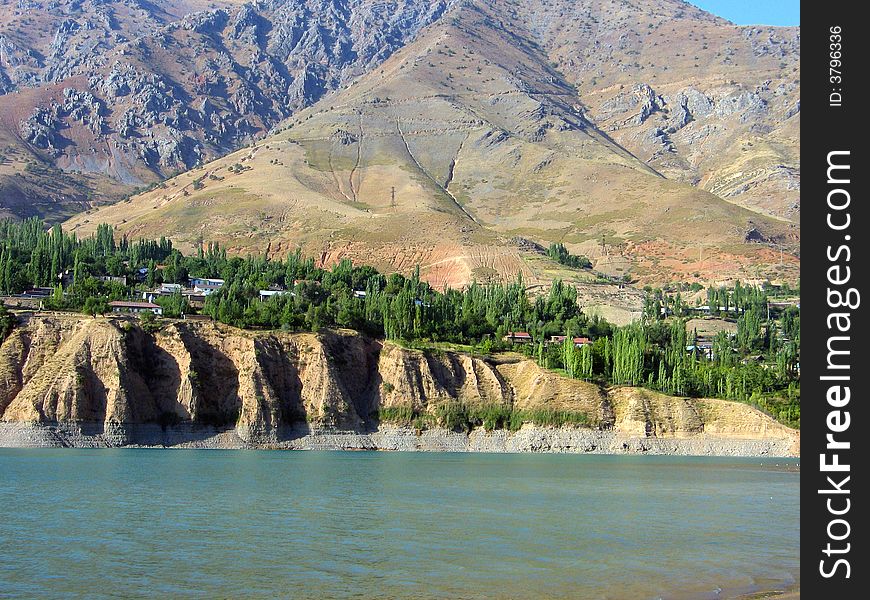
[[759, 364], [559, 253], [395, 307]]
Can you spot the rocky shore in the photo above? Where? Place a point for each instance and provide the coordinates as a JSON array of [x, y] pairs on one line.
[[530, 438]]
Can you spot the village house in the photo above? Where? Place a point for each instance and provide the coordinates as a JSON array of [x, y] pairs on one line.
[[207, 286], [194, 298], [702, 346], [266, 294], [66, 278], [165, 289], [135, 307], [579, 342], [195, 281], [518, 337], [122, 279]]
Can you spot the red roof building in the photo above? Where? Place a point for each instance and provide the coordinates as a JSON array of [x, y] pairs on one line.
[[518, 336]]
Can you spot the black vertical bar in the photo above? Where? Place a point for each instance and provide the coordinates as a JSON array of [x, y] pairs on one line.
[[834, 243]]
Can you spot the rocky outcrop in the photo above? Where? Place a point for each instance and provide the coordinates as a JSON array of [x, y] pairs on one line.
[[668, 129], [43, 127], [86, 382]]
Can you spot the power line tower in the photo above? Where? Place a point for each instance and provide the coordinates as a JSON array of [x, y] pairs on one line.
[[393, 197]]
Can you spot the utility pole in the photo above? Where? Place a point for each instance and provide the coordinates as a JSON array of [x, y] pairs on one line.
[[393, 197]]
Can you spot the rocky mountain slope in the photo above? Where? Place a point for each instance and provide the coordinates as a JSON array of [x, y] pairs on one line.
[[658, 139], [201, 378], [461, 143], [695, 97], [128, 92]]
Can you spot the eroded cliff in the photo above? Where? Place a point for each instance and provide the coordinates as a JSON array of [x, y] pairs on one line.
[[106, 381]]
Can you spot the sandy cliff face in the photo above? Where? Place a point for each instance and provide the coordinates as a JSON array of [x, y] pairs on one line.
[[111, 373]]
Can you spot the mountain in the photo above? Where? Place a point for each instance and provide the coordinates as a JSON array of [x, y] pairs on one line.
[[695, 97], [464, 152], [121, 94], [461, 134]]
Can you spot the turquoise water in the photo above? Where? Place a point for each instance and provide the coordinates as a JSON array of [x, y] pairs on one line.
[[249, 524]]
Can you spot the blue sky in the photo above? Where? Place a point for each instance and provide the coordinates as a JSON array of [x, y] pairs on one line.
[[754, 12]]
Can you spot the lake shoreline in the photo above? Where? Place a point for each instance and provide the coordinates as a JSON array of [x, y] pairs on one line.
[[528, 439], [789, 593]]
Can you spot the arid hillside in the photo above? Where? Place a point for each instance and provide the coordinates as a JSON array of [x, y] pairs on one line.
[[695, 97]]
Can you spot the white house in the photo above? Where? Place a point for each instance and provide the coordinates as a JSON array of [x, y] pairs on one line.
[[195, 281], [135, 307], [266, 294]]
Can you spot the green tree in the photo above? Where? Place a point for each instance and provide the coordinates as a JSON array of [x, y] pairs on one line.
[[95, 306]]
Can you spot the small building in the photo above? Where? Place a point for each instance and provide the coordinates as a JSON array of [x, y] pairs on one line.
[[194, 317], [135, 307], [266, 294], [518, 337], [578, 341], [122, 279], [207, 289], [703, 348], [359, 293], [197, 281], [170, 288]]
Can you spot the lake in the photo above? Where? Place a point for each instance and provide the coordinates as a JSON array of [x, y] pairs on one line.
[[127, 523]]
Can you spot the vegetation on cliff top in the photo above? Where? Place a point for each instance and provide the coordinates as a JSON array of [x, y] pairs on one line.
[[759, 365], [462, 417]]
